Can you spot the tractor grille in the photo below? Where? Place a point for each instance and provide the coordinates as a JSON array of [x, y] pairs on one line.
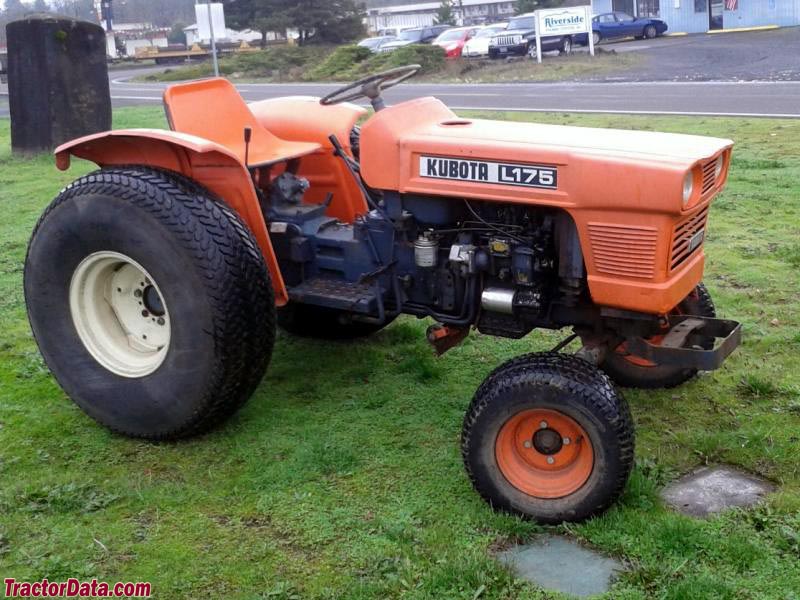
[[689, 236], [708, 175], [507, 40], [624, 250]]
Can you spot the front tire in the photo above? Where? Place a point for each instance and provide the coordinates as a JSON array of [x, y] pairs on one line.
[[596, 39], [650, 32], [566, 46], [150, 302], [547, 437]]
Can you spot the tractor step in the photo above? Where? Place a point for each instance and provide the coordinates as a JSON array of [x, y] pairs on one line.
[[334, 293]]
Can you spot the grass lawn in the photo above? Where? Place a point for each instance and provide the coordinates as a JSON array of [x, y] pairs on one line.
[[553, 68], [342, 477]]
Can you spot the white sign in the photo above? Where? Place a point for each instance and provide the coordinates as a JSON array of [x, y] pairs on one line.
[[563, 22], [204, 24]]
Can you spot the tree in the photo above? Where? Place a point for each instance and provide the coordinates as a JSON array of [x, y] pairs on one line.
[[15, 9], [80, 9], [526, 6], [176, 35], [315, 20], [444, 15], [332, 21], [259, 15], [40, 6]]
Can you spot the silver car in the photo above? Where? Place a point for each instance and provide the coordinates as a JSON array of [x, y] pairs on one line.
[[375, 43]]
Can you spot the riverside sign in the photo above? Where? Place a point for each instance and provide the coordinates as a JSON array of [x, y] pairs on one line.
[[563, 21]]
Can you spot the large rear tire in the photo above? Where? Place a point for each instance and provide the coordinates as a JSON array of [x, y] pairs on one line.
[[631, 371], [150, 302], [306, 320], [548, 437]]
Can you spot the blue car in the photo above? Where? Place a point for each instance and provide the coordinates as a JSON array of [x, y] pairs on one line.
[[608, 26]]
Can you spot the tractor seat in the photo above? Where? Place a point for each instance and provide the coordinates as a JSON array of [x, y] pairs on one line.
[[214, 110]]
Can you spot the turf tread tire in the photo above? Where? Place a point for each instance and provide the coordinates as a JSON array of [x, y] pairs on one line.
[[233, 272], [584, 384]]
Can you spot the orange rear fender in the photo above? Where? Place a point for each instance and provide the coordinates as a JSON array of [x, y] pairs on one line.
[[209, 164]]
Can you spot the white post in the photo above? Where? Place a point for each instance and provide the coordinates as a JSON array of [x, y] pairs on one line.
[[538, 38], [213, 40], [590, 29]]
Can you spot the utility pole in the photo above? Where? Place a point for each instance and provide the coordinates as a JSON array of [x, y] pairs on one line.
[[213, 39], [106, 14], [107, 22]]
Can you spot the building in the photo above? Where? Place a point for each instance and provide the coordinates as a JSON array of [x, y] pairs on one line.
[[192, 35], [697, 16], [465, 12], [132, 36]]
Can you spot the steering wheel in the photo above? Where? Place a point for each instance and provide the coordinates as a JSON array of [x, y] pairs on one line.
[[371, 87]]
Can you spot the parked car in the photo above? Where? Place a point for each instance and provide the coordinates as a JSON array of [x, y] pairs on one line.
[[391, 31], [519, 39], [478, 45], [608, 26], [418, 35], [374, 43], [453, 40]]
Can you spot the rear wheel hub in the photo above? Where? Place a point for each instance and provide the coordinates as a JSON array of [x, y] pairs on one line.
[[119, 314]]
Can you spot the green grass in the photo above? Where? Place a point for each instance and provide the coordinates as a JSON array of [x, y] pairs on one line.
[[341, 478], [552, 68]]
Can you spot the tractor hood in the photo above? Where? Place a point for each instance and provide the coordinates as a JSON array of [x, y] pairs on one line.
[[396, 142]]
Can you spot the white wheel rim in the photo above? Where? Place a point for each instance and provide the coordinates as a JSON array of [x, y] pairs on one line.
[[120, 314]]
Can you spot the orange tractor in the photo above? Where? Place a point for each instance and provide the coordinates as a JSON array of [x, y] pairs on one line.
[[154, 284]]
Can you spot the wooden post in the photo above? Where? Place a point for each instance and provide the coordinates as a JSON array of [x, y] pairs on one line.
[[57, 81]]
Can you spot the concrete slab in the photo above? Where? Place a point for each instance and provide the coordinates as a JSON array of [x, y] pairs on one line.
[[713, 489], [558, 563]]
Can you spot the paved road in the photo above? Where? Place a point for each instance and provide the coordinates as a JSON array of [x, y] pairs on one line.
[[741, 74], [759, 99], [694, 98]]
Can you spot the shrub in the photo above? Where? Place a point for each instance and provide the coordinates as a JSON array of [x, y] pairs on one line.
[[342, 60], [281, 60], [312, 62], [430, 58]]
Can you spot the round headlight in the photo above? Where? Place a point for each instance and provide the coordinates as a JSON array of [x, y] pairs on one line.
[[688, 188], [718, 166]]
